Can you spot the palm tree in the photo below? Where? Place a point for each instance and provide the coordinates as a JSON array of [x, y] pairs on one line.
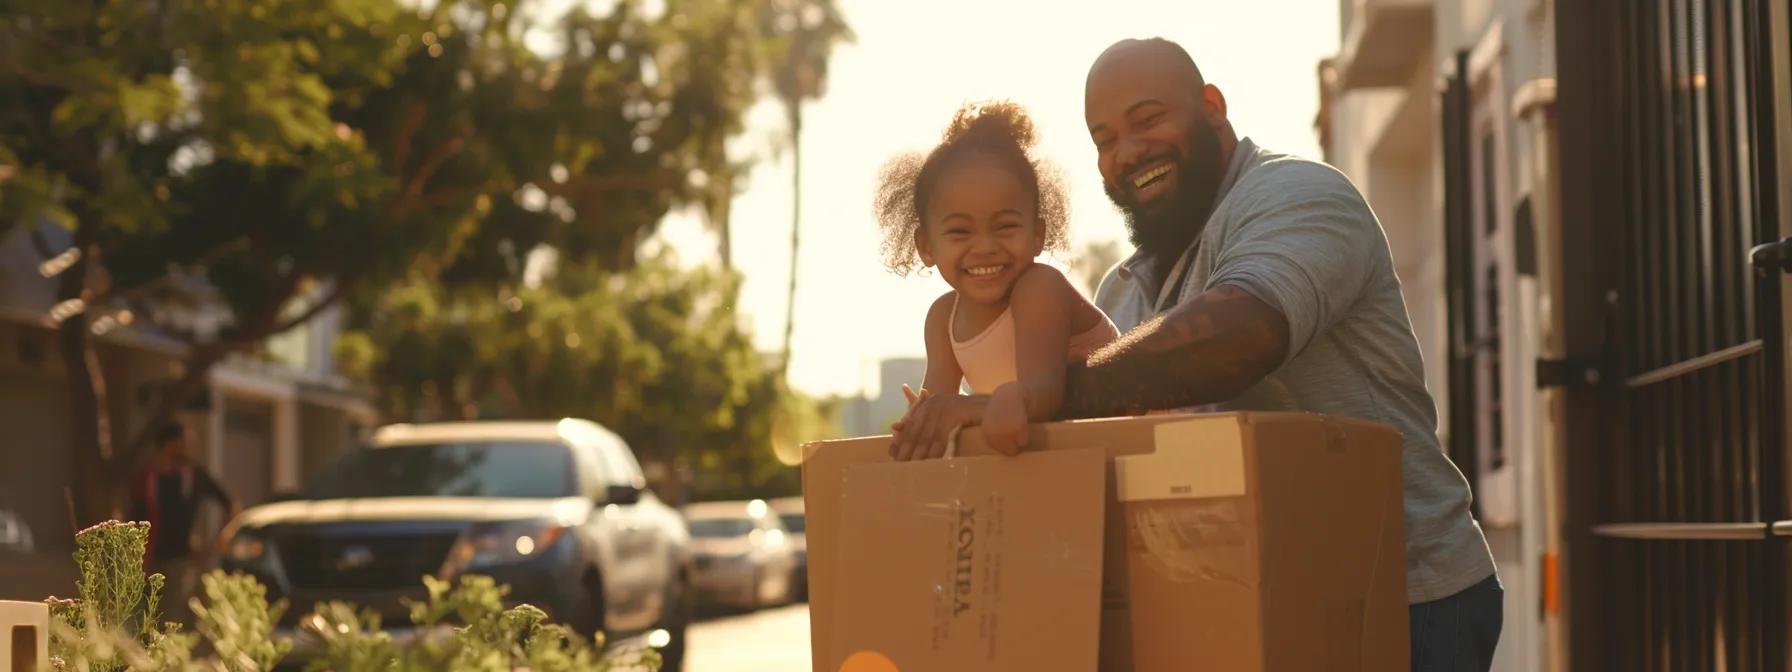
[[1094, 262], [802, 35]]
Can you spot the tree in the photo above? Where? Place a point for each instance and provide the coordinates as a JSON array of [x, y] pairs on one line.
[[98, 103], [803, 35], [1094, 260], [287, 176], [652, 353]]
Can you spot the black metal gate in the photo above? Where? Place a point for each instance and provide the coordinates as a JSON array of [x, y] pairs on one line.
[[1677, 434], [1459, 275]]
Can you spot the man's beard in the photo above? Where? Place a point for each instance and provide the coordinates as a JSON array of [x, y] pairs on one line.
[[1174, 223]]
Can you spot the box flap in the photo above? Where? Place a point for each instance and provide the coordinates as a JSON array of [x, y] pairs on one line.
[[983, 563]]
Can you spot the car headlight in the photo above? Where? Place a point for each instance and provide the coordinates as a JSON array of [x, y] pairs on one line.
[[503, 543], [244, 546]]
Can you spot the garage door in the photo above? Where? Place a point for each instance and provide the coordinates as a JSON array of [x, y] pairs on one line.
[[34, 415], [249, 450]]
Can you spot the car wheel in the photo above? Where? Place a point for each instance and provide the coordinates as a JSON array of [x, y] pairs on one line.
[[757, 599], [681, 610], [588, 622], [786, 588], [799, 585]]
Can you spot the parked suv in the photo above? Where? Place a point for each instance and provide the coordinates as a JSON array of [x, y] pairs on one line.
[[558, 510]]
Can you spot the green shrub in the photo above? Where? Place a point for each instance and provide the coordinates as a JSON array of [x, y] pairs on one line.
[[116, 625]]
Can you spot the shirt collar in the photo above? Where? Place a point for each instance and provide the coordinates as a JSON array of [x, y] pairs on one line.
[[1141, 264]]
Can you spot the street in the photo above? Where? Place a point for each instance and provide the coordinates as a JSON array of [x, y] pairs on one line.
[[773, 640]]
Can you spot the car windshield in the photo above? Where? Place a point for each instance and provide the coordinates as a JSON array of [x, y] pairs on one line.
[[793, 522], [721, 527], [504, 469]]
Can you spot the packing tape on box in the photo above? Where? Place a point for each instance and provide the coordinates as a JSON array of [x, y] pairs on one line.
[[1196, 458], [1190, 540]]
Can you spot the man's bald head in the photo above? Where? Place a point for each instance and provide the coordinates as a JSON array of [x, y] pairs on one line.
[[1161, 139], [1154, 52]]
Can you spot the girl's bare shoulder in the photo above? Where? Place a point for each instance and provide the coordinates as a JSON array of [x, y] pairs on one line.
[[939, 315], [1048, 281]]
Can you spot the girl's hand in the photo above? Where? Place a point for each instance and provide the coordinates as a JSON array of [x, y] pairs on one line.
[[913, 398], [1005, 420], [927, 430]]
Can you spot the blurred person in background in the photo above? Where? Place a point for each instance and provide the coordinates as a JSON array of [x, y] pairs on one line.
[[167, 496]]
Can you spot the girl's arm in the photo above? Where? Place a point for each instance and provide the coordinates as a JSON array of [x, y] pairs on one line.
[[1043, 303], [944, 377], [943, 374]]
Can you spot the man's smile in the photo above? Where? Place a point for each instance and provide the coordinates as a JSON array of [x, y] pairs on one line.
[[1153, 181]]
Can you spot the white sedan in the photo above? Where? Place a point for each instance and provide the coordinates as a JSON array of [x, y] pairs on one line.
[[743, 555]]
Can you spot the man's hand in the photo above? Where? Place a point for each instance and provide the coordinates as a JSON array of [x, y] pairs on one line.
[[1005, 419], [922, 434]]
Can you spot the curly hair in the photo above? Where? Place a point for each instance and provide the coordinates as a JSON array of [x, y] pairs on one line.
[[998, 128]]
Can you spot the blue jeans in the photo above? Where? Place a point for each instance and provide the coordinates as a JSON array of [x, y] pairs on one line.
[[1458, 633]]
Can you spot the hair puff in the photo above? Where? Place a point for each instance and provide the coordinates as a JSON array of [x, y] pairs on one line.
[[999, 128]]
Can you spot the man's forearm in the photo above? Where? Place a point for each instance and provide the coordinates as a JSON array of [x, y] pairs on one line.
[[1210, 349], [1042, 395]]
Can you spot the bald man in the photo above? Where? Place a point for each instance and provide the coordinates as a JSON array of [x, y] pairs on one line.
[[1262, 282]]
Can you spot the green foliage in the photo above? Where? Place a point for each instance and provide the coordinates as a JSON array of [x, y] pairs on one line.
[[115, 627], [656, 353], [494, 639], [286, 153], [800, 40], [460, 143], [289, 153], [97, 97], [239, 622]]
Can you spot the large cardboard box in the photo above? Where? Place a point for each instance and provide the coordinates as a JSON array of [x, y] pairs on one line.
[[1240, 542], [968, 565]]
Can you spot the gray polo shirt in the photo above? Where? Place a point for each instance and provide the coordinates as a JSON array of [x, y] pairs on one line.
[[1299, 235]]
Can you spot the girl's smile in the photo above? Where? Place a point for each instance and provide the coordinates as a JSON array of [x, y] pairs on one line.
[[981, 230]]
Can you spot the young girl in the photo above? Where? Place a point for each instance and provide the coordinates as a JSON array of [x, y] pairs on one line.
[[980, 209]]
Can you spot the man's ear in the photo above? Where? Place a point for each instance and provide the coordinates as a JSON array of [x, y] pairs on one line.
[[1214, 100]]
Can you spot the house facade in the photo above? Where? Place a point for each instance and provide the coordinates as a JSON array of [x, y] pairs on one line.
[[1585, 202], [264, 423]]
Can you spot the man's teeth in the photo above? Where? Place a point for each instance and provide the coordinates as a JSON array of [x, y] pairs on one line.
[[984, 270], [1150, 175]]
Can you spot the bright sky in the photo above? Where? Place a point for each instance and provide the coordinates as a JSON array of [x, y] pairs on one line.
[[914, 62]]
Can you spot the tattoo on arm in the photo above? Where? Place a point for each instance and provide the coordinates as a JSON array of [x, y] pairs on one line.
[[1209, 349]]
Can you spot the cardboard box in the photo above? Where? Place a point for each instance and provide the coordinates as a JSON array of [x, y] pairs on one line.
[[968, 565], [1241, 542]]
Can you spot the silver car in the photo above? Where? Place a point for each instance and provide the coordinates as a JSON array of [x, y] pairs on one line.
[[741, 553], [790, 511]]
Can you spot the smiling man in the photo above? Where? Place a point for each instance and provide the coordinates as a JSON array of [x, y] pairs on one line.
[[1262, 282]]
